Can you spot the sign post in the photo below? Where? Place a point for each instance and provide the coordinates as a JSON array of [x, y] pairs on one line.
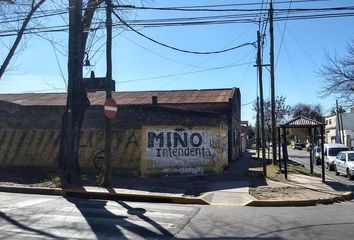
[[110, 108]]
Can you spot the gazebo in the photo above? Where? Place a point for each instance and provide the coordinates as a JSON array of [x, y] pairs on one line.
[[311, 125]]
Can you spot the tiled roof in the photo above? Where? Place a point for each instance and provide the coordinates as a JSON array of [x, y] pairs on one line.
[[125, 98], [302, 121]]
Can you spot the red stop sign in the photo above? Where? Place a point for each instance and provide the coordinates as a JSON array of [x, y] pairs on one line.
[[110, 108]]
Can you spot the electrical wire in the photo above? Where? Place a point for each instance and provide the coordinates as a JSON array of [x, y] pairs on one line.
[[208, 7], [245, 104], [179, 49], [282, 36], [181, 74]]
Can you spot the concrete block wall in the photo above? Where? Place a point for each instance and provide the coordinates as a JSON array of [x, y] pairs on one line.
[[29, 136]]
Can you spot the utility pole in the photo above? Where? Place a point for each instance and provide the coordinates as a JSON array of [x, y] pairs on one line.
[[257, 125], [74, 73], [271, 31], [338, 127], [108, 125], [259, 64], [342, 128]]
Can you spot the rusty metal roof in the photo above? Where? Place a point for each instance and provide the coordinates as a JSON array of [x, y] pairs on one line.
[[301, 122], [126, 98]]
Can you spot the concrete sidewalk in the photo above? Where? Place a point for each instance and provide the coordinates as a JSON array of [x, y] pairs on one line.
[[229, 188]]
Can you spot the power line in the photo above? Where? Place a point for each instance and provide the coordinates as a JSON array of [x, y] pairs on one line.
[[282, 36], [292, 14], [160, 55], [245, 104], [179, 49], [209, 8], [185, 73]]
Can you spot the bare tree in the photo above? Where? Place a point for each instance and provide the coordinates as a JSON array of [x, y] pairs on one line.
[[33, 7], [338, 75], [77, 101], [282, 111], [307, 110]]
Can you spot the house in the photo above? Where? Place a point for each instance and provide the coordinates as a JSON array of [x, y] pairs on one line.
[[346, 133], [155, 133]]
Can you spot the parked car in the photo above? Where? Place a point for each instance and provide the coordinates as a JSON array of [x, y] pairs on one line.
[[299, 146], [344, 163], [331, 150]]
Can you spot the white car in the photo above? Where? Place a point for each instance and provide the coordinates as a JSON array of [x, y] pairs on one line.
[[344, 163], [331, 150]]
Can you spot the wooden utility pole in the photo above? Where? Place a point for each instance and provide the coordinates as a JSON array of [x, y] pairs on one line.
[[259, 64], [257, 123], [271, 30], [74, 76], [108, 125], [338, 127]]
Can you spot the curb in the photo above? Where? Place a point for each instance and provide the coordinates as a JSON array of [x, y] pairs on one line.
[[346, 196], [105, 195], [281, 203], [134, 197], [32, 190]]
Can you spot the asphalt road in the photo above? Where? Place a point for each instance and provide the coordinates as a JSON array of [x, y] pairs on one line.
[[51, 217], [303, 157]]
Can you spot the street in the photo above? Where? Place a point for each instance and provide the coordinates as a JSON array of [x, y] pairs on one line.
[[52, 217], [303, 157]]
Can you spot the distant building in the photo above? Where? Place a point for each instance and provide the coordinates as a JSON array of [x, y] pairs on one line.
[[155, 133], [244, 136], [347, 134]]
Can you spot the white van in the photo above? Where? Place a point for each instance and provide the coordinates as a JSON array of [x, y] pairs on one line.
[[331, 150]]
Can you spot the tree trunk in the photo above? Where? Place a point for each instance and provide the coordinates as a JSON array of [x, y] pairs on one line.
[[77, 101], [68, 162]]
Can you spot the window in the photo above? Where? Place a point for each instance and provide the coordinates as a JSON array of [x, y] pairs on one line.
[[326, 122], [334, 151], [330, 121]]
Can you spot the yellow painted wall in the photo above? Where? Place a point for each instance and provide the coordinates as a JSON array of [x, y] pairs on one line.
[[39, 148], [29, 147]]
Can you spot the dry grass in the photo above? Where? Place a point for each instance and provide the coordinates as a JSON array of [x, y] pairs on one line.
[[275, 174]]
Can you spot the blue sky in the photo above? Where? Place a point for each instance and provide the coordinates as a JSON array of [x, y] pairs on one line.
[[139, 64]]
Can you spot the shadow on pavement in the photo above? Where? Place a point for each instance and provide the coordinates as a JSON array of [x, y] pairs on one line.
[[337, 186], [240, 173], [105, 224], [38, 232]]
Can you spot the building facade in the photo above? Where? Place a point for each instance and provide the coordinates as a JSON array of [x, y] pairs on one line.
[[180, 132], [346, 134]]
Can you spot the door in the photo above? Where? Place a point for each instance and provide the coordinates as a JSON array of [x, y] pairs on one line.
[[339, 163], [342, 163]]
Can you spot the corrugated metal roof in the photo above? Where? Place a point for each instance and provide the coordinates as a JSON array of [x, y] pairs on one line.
[[125, 98]]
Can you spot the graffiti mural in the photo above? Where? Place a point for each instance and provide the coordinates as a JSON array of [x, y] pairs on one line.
[[184, 151]]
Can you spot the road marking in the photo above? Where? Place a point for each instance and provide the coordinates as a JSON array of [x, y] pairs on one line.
[[24, 204]]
